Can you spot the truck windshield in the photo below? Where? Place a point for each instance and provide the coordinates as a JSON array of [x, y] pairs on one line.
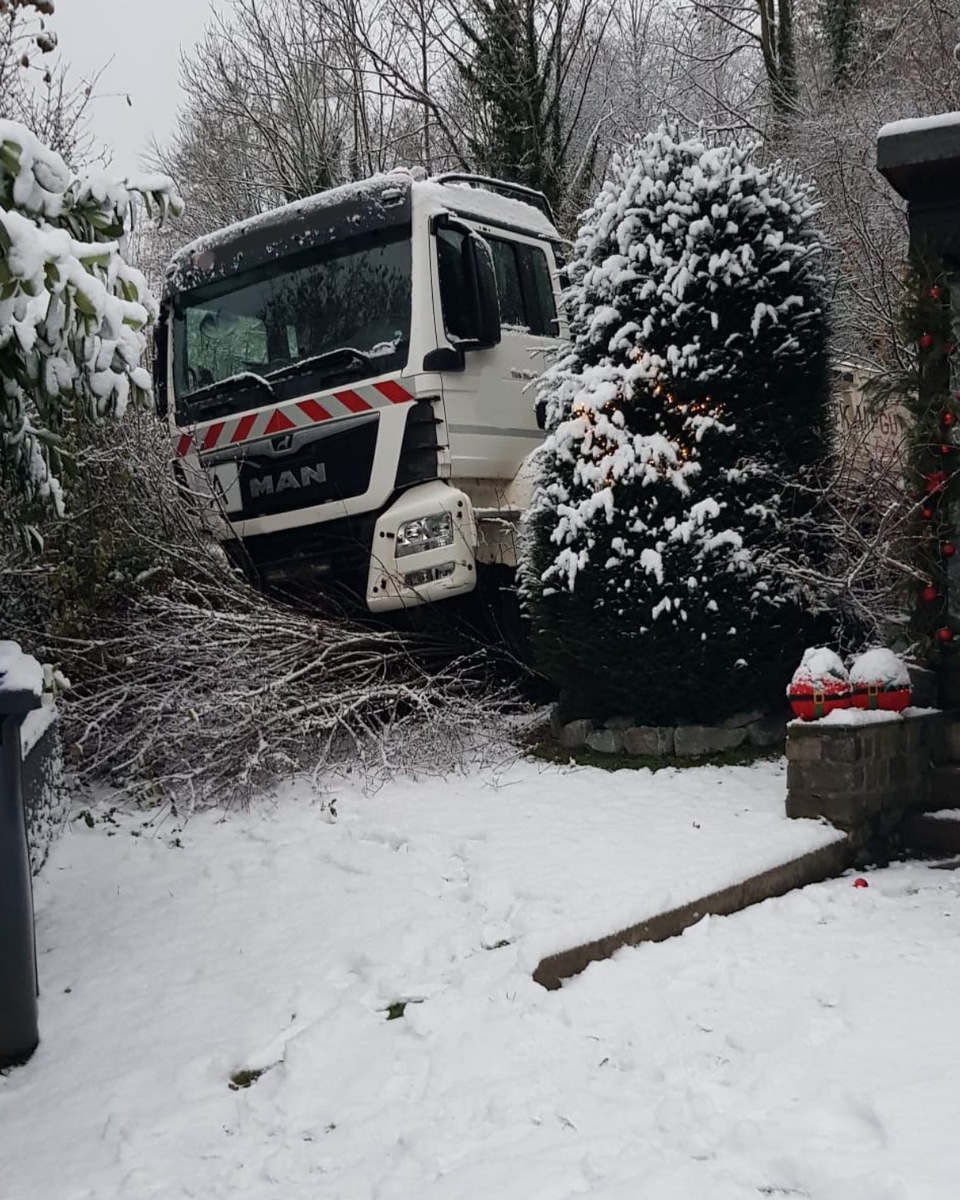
[[353, 295]]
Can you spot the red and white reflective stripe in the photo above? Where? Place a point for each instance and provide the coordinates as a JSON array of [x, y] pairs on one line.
[[298, 415]]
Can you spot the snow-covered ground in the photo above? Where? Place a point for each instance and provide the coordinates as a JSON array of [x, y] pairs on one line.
[[804, 1048]]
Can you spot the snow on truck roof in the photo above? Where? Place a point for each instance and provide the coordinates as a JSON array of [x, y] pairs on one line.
[[487, 205], [385, 199]]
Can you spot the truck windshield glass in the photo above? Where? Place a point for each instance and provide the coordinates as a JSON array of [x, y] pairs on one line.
[[355, 295]]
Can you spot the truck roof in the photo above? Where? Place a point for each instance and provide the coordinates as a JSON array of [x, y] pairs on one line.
[[380, 201], [473, 199]]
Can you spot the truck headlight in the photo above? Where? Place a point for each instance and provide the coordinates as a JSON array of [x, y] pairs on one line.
[[425, 533]]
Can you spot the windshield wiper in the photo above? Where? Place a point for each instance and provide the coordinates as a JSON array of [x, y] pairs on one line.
[[344, 359], [215, 393]]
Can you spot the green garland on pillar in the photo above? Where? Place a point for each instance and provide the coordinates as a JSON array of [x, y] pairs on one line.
[[929, 393]]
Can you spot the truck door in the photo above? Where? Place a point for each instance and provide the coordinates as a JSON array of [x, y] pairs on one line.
[[490, 406]]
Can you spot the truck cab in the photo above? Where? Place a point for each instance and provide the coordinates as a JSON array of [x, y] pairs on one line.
[[347, 382]]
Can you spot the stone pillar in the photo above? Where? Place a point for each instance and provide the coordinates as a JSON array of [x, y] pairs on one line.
[[864, 779]]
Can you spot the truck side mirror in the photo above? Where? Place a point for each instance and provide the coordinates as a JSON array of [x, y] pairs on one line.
[[468, 286], [161, 344]]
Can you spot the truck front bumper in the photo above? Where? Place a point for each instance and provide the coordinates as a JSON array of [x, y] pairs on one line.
[[404, 576]]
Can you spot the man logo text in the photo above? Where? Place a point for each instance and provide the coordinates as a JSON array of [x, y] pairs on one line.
[[287, 480]]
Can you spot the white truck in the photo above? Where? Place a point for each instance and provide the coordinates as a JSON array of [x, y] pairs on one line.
[[348, 377]]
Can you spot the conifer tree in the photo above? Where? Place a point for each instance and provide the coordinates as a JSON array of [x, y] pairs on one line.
[[527, 67], [690, 402]]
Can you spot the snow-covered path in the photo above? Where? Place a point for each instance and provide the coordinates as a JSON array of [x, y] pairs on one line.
[[803, 1048]]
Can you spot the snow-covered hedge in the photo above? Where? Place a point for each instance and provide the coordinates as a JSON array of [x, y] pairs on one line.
[[691, 397], [73, 313]]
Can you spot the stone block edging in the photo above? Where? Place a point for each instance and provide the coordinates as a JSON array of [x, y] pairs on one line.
[[620, 735], [824, 863]]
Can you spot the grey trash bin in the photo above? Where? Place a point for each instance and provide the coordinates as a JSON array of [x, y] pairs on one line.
[[20, 681]]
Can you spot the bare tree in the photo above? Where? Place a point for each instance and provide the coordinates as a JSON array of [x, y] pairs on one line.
[[505, 87], [283, 102], [719, 33], [412, 47], [857, 496], [904, 65], [35, 86], [695, 65], [526, 67]]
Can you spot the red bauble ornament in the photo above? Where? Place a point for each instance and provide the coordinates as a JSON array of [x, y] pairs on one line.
[[860, 882], [934, 480], [944, 634], [948, 419], [935, 292], [925, 341], [927, 514], [948, 549], [945, 448], [928, 594]]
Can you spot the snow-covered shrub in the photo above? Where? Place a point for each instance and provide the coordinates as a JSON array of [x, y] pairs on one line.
[[690, 400], [73, 313]]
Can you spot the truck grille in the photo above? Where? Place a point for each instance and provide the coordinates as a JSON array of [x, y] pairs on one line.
[[329, 558], [333, 466]]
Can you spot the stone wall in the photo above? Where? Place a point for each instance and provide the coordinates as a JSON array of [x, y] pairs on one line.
[[622, 735], [864, 778]]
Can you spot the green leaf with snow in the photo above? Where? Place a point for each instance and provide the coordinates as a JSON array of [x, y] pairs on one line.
[[96, 309], [10, 154]]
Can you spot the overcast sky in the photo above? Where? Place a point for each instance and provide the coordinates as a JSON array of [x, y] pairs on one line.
[[141, 40]]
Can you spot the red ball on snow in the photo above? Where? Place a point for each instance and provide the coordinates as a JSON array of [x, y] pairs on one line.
[[880, 680], [944, 634], [947, 549], [860, 882], [819, 685], [925, 341], [927, 514], [928, 594], [945, 448], [948, 419]]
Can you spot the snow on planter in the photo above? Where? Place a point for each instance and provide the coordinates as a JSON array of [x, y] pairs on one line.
[[880, 680], [819, 685]]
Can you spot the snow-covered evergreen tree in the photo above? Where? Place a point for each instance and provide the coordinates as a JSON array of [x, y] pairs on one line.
[[690, 401], [73, 313]]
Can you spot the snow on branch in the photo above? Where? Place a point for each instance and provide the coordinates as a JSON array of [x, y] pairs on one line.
[[206, 691], [73, 312]]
